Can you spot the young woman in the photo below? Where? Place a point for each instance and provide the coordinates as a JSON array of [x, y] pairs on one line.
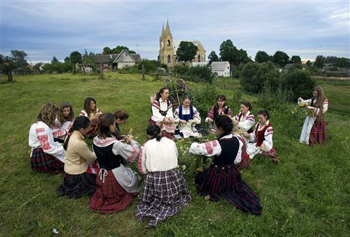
[[222, 179], [187, 116], [116, 184], [164, 190], [244, 120], [314, 128], [261, 138], [78, 181], [63, 122], [120, 118], [219, 109], [92, 112], [46, 154], [162, 113]]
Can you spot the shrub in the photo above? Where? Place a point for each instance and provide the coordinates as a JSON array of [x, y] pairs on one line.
[[150, 65], [272, 99], [204, 98], [256, 75], [181, 70], [196, 74], [299, 82]]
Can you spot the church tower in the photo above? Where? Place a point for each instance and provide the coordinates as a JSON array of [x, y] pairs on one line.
[[166, 47]]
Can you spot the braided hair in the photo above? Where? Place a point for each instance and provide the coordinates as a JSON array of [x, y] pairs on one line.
[[79, 122], [154, 132]]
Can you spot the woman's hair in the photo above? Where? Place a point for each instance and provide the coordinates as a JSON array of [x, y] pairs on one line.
[[264, 113], [121, 114], [60, 116], [47, 114], [225, 123], [186, 97], [319, 101], [247, 104], [79, 122], [104, 121], [87, 105], [154, 132], [158, 95], [222, 98]]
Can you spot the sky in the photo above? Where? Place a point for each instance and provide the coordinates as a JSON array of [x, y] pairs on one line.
[[47, 28]]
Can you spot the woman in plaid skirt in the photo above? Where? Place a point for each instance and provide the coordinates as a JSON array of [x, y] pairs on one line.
[[314, 128], [92, 112], [222, 179], [164, 189], [46, 154], [116, 184], [79, 179]]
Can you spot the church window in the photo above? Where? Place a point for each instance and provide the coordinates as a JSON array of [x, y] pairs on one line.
[[168, 43], [168, 58], [199, 57]]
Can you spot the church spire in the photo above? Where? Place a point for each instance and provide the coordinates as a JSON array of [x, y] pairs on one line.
[[167, 29], [163, 34]]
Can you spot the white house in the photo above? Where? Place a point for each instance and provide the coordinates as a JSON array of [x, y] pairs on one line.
[[124, 59], [221, 69], [202, 64]]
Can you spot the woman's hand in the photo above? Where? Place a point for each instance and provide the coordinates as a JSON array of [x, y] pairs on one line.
[[299, 99], [210, 120], [246, 135], [128, 139], [183, 121], [310, 107], [262, 147], [235, 122]]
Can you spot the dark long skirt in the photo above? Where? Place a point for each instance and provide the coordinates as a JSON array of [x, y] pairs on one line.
[[109, 196], [42, 162], [225, 181], [164, 194], [75, 186], [318, 133]]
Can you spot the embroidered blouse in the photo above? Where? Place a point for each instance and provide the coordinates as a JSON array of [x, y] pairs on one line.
[[161, 105], [267, 135], [245, 122]]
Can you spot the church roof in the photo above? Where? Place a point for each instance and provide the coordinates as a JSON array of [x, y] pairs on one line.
[[163, 33], [167, 30]]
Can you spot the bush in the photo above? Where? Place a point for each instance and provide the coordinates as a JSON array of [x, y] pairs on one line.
[[150, 65], [272, 99], [181, 70], [196, 74], [204, 98], [257, 75], [299, 82]]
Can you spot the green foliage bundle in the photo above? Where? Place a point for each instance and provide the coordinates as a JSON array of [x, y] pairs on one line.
[[299, 82], [150, 65], [204, 98], [274, 99], [196, 74], [256, 76]]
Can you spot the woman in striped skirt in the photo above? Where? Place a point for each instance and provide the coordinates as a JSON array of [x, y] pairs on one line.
[[222, 179]]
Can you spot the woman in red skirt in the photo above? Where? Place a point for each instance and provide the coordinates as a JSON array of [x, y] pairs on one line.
[[222, 179], [46, 154], [116, 185], [314, 128]]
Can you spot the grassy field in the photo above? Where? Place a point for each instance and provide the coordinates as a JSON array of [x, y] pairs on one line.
[[307, 194]]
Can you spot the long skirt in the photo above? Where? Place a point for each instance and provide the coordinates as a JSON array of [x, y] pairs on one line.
[[93, 128], [225, 181], [164, 194], [318, 134], [109, 196], [75, 186], [42, 162]]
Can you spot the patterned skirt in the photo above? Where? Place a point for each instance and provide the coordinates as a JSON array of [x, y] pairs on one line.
[[164, 194], [42, 162], [225, 181], [75, 186], [93, 128], [318, 134], [109, 196]]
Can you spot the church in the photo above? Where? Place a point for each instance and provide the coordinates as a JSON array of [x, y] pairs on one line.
[[168, 48]]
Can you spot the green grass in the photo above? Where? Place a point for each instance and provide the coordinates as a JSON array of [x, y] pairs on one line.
[[307, 194]]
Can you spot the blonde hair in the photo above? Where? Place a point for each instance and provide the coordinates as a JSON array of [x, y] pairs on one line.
[[319, 101], [60, 116], [47, 114]]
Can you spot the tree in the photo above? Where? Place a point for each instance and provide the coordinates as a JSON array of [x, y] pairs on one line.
[[309, 63], [229, 52], [7, 65], [75, 57], [299, 82], [19, 58], [186, 51], [213, 57], [106, 50], [343, 62], [280, 58], [295, 59], [261, 57], [319, 61]]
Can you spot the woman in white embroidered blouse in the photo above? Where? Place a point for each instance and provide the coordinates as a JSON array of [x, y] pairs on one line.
[[63, 122], [244, 120]]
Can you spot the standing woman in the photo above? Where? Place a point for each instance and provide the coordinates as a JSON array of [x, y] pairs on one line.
[[46, 154], [164, 190], [63, 122], [187, 116], [222, 179], [162, 113], [92, 112], [219, 109], [244, 120], [314, 128], [116, 184], [78, 181], [261, 138]]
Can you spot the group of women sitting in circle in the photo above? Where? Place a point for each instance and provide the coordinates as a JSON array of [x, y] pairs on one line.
[[104, 172]]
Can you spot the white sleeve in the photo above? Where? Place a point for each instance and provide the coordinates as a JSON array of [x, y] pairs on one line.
[[196, 116], [176, 115], [141, 164], [238, 158], [268, 139], [247, 124], [307, 102], [128, 152], [156, 116], [207, 149], [252, 135], [48, 144], [170, 113]]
